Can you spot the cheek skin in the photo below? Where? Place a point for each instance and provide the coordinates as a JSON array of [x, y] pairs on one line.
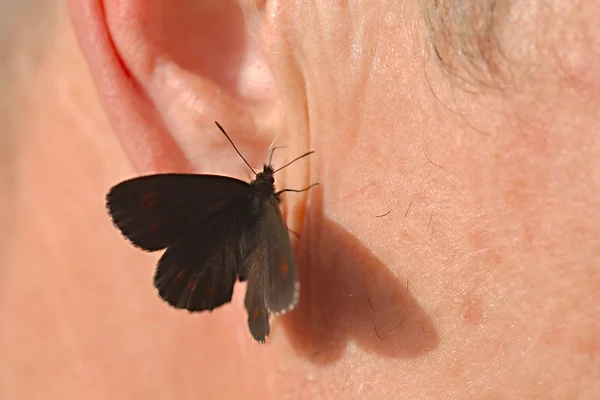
[[511, 260]]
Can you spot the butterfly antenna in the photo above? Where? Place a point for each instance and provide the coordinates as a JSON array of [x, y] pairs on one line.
[[235, 148], [294, 160]]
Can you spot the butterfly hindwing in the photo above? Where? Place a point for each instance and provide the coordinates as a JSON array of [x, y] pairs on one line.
[[258, 314], [281, 280], [198, 273], [156, 211]]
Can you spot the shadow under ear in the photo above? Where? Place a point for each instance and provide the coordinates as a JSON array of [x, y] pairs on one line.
[[346, 294]]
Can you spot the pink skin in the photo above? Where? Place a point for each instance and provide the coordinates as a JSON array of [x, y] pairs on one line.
[[485, 287]]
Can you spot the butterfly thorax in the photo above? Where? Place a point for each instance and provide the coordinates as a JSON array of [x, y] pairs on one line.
[[264, 182]]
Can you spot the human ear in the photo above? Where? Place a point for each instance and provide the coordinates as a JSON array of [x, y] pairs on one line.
[[166, 71]]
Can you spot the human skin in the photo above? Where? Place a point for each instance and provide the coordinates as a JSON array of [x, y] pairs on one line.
[[480, 283]]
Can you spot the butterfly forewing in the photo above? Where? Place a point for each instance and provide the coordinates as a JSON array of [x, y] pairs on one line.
[[157, 211]]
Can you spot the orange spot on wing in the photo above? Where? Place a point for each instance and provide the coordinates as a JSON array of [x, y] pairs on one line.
[[255, 312], [148, 200], [210, 290], [284, 268], [192, 286], [180, 275]]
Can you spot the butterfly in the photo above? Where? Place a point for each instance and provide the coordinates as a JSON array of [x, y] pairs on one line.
[[216, 230]]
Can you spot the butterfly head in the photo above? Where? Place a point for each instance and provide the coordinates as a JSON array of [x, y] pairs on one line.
[[265, 181]]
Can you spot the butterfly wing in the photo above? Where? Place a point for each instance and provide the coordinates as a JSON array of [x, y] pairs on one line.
[[157, 211], [271, 254], [258, 314], [198, 273], [281, 280]]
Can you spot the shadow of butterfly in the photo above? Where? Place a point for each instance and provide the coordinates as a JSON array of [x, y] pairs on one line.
[[215, 230]]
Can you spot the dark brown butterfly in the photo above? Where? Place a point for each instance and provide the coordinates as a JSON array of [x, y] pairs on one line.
[[216, 229]]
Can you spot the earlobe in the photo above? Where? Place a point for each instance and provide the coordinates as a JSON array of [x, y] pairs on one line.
[[166, 71]]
